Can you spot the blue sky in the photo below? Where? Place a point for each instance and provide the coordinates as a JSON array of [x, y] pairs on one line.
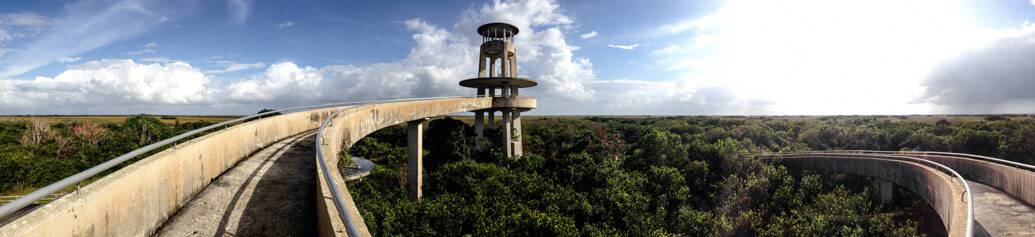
[[591, 57]]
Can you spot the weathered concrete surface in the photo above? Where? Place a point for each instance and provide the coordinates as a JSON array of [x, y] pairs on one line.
[[519, 102], [267, 194], [353, 124], [1017, 182], [137, 199], [941, 191], [1000, 214]]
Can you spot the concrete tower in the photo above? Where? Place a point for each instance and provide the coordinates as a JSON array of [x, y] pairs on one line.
[[497, 72]]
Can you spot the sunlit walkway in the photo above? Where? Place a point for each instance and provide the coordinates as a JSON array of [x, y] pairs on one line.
[[267, 194]]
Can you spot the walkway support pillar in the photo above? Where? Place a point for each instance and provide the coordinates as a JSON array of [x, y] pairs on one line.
[[885, 189], [507, 141], [415, 151], [515, 137]]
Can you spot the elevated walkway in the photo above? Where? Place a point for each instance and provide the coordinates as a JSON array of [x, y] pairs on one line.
[[270, 193], [999, 194]]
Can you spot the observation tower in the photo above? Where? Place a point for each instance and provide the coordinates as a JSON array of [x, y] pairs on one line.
[[497, 72]]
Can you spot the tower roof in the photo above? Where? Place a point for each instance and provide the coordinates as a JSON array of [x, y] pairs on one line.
[[486, 29]]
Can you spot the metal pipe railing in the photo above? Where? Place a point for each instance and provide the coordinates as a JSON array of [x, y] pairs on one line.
[[941, 153], [968, 230], [339, 203], [16, 205]]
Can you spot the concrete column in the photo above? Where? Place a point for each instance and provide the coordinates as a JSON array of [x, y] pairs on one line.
[[415, 166], [481, 65], [885, 189], [481, 91], [516, 124], [479, 121], [492, 118], [513, 65], [507, 141], [514, 91], [504, 65], [492, 67]]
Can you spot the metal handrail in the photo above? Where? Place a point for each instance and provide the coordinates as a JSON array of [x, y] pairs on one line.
[[339, 204], [13, 206], [969, 229], [942, 153]]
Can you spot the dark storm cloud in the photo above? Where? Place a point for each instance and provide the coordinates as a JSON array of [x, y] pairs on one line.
[[999, 78]]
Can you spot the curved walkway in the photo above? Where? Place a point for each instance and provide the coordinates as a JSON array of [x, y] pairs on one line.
[[270, 193], [1000, 190], [1000, 214]]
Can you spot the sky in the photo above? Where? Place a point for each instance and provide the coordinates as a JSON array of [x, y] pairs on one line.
[[663, 57]]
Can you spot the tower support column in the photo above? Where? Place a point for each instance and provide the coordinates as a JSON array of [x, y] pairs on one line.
[[415, 155], [492, 118], [479, 123], [507, 140], [515, 139]]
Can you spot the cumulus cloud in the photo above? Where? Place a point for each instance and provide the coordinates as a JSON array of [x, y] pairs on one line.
[[110, 83], [588, 35], [624, 46], [439, 59], [997, 78]]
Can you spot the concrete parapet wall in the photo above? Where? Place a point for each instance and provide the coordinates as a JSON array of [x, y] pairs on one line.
[[137, 199], [520, 102], [354, 123], [1017, 182], [941, 191]]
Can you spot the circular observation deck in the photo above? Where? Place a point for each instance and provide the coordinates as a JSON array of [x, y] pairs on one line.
[[497, 29], [496, 82]]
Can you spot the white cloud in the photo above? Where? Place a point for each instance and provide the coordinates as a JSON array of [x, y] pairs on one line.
[[822, 57], [20, 25], [594, 34], [229, 66], [996, 78], [85, 26], [69, 59], [239, 9], [151, 47], [156, 60], [624, 46], [440, 58], [680, 26], [671, 49], [109, 83], [284, 25]]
